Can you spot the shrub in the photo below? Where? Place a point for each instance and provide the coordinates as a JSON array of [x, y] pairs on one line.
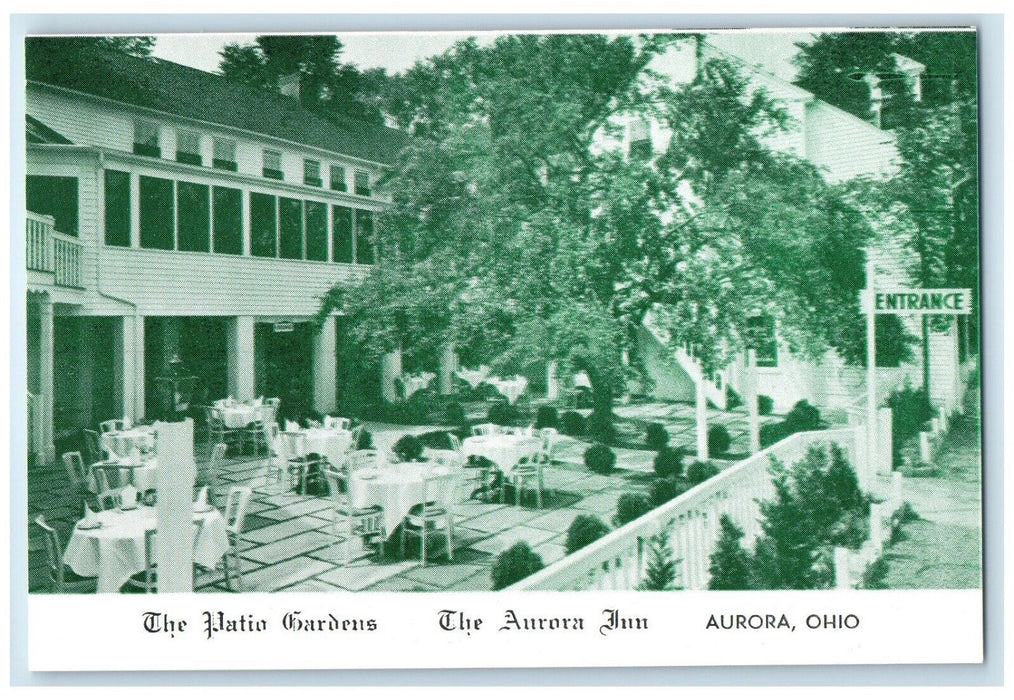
[[699, 472], [599, 458], [719, 440], [408, 448], [803, 417], [436, 440], [772, 433], [583, 531], [572, 423], [630, 506], [731, 564], [455, 413], [656, 436], [546, 417], [601, 428], [583, 397], [765, 404], [664, 490], [669, 462], [732, 399], [911, 410], [502, 413], [365, 441], [661, 573], [514, 564]]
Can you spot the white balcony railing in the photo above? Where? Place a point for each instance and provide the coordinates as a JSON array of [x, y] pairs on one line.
[[50, 251], [619, 560]]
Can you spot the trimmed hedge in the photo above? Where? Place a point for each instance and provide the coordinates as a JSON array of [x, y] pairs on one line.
[[455, 413], [629, 507], [699, 472], [765, 404], [600, 458], [514, 564], [719, 440], [664, 490], [502, 413], [583, 531], [365, 441], [408, 448], [601, 429], [669, 462], [572, 423], [656, 436]]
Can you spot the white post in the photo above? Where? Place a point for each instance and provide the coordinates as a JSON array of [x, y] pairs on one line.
[[46, 377], [390, 369], [445, 378], [842, 574], [753, 411], [552, 383], [702, 421], [174, 507], [240, 357], [871, 374], [324, 367]]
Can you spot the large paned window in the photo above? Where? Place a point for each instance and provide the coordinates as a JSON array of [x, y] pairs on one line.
[[364, 237], [273, 165], [146, 139], [157, 213], [224, 156], [290, 219], [316, 230], [311, 173], [363, 183], [117, 215], [341, 233], [338, 179], [188, 147], [263, 225], [56, 197], [764, 339], [194, 223], [228, 220]]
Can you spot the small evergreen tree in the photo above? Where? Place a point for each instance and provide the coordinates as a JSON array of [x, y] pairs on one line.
[[661, 572], [731, 565]]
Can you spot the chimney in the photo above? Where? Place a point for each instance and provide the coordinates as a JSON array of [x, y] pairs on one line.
[[911, 72], [288, 85]]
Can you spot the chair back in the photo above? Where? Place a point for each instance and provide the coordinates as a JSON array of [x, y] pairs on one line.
[[54, 550], [217, 455], [235, 508], [439, 486], [335, 423], [293, 444], [108, 426], [485, 429], [335, 483], [74, 464], [110, 478], [360, 459], [549, 437], [455, 442], [93, 446], [271, 434]]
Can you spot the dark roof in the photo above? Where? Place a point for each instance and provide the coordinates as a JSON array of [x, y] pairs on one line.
[[195, 94], [37, 132]]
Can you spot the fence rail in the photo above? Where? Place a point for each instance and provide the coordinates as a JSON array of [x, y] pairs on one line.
[[47, 250]]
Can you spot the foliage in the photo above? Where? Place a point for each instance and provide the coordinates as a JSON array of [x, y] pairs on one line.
[[699, 472], [546, 417], [664, 490], [502, 413], [911, 410], [601, 428], [408, 448], [455, 413], [600, 459], [661, 572], [803, 417], [656, 436], [719, 440], [584, 530], [669, 462], [630, 507], [875, 576], [435, 440], [731, 565], [572, 423], [770, 433], [765, 404], [365, 441], [514, 564]]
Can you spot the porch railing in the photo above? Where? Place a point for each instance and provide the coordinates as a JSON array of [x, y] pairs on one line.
[[619, 560], [50, 251]]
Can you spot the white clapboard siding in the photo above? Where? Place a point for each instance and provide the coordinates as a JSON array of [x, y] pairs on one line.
[[844, 145]]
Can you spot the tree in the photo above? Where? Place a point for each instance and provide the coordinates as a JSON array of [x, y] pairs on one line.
[[731, 565], [661, 573]]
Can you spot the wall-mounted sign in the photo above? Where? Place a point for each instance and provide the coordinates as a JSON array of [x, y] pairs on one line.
[[284, 327], [917, 301]]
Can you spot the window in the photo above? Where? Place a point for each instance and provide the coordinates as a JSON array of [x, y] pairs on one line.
[[228, 220], [364, 237], [290, 234], [53, 196], [263, 225], [338, 179], [316, 230], [117, 200], [157, 214], [763, 339], [341, 234], [311, 173], [188, 147], [273, 165], [224, 156], [363, 183], [639, 146], [146, 139], [194, 210]]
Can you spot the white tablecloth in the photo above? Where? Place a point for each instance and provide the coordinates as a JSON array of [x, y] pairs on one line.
[[142, 473], [474, 377], [395, 487], [241, 416], [333, 444], [511, 388], [120, 443], [115, 551], [502, 450], [581, 380], [414, 383]]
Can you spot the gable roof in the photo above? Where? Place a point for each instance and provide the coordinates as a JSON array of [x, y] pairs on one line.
[[37, 132], [187, 92]]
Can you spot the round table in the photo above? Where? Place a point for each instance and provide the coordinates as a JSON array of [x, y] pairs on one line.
[[121, 443], [395, 487], [141, 472], [503, 450], [115, 551], [238, 417], [332, 444], [509, 388]]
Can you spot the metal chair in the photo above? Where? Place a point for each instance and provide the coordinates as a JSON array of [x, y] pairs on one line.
[[61, 576], [211, 470], [111, 425], [298, 462], [335, 423], [110, 479], [73, 462], [93, 446], [347, 521], [235, 515], [486, 429], [434, 513], [528, 469]]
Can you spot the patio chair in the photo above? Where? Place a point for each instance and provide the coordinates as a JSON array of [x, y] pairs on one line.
[[433, 514], [93, 446], [348, 521], [73, 462], [211, 470], [62, 577], [235, 514], [217, 430], [526, 471], [276, 464], [299, 464], [147, 580], [361, 459], [110, 479], [111, 425], [486, 429], [549, 437], [254, 432], [334, 423]]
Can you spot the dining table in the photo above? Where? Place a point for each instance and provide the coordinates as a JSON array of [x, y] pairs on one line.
[[122, 443], [396, 487], [114, 550], [332, 443], [238, 416], [139, 470], [503, 450], [414, 382], [511, 389], [474, 377]]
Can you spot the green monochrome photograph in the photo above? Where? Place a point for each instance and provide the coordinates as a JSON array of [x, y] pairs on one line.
[[537, 311]]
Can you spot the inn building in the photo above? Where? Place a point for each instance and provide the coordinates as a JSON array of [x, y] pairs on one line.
[[174, 214]]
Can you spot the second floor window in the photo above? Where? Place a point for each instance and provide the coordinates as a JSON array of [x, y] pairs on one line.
[[311, 173], [273, 165], [338, 179], [54, 196], [188, 147], [146, 139], [224, 157], [363, 183]]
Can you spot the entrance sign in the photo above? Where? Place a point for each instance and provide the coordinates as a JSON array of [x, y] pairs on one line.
[[918, 301], [284, 327]]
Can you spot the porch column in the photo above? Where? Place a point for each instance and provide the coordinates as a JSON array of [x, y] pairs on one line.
[[325, 366], [240, 357], [128, 366], [84, 368], [445, 373], [702, 420], [390, 369], [46, 377], [552, 382], [752, 410]]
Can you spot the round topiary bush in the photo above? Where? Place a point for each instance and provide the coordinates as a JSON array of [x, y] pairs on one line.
[[765, 405], [629, 507], [656, 436], [572, 423], [436, 440], [803, 417], [664, 490], [408, 448], [365, 441], [601, 429], [583, 531], [599, 458], [700, 471], [719, 440], [514, 564], [546, 417], [669, 462], [455, 413], [502, 413]]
